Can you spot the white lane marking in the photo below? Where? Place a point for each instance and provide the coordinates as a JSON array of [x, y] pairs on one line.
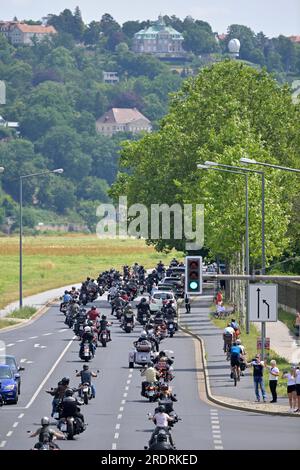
[[130, 370], [3, 444], [62, 330], [128, 381], [23, 359], [215, 421], [43, 347], [127, 388], [217, 441], [125, 395], [20, 340], [2, 349], [129, 376], [118, 426], [219, 448], [49, 373], [29, 362], [21, 416], [116, 435], [15, 424], [123, 402], [37, 345], [33, 337], [47, 334], [121, 408], [9, 433], [215, 427], [10, 344], [114, 446], [119, 416]]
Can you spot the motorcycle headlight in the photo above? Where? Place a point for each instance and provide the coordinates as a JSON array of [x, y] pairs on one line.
[[9, 387]]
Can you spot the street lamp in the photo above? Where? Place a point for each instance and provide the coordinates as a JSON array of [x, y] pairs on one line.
[[42, 173], [1, 169], [206, 166], [254, 162]]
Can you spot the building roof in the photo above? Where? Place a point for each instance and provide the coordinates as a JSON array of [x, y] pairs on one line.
[[295, 39], [122, 116], [156, 28], [36, 29]]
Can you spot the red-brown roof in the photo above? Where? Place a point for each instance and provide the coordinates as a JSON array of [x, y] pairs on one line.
[[122, 116], [36, 29], [295, 38]]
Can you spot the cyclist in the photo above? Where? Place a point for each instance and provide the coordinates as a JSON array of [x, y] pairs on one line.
[[242, 356], [228, 336], [235, 358]]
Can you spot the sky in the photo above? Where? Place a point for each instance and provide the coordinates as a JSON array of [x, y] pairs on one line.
[[273, 17]]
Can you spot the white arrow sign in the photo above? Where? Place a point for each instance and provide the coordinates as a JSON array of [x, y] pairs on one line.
[[263, 304]]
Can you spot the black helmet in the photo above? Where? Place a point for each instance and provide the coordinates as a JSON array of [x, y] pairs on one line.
[[161, 409], [65, 381], [85, 366], [103, 317], [69, 393], [66, 292], [144, 299]]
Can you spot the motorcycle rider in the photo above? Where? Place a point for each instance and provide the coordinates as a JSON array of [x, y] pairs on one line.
[[143, 308], [151, 375], [89, 338], [103, 325], [46, 435], [70, 408], [118, 302], [86, 377], [93, 314], [161, 419], [59, 392], [66, 299], [128, 317]]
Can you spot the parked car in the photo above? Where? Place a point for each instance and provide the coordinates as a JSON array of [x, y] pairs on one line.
[[177, 283], [156, 300], [8, 385], [16, 369]]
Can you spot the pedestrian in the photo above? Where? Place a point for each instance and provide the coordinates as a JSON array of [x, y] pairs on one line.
[[219, 297], [187, 304], [258, 377], [297, 324], [298, 388], [291, 387], [273, 379]]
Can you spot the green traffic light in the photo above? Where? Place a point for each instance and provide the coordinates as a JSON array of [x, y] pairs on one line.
[[193, 285]]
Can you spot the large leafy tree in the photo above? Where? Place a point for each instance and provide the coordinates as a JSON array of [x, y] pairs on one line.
[[230, 110]]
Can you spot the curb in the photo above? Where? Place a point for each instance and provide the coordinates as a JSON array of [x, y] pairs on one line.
[[28, 321], [215, 400]]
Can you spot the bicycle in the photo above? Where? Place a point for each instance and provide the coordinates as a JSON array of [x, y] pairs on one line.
[[236, 374]]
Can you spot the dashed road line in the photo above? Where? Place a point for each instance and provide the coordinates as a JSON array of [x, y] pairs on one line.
[[21, 416], [127, 388], [15, 424], [118, 426], [9, 433], [116, 435], [47, 334], [123, 402], [33, 337], [121, 408], [125, 395], [114, 446], [216, 430], [119, 416], [20, 340], [10, 344], [3, 443]]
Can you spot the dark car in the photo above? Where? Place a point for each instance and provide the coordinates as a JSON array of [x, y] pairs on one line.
[[12, 363]]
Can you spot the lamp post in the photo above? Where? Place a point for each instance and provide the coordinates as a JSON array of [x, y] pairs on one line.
[[42, 173], [247, 256], [269, 165]]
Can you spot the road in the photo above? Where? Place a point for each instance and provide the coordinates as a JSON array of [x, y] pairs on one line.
[[117, 417]]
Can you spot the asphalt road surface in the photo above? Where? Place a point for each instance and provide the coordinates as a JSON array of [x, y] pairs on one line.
[[117, 417]]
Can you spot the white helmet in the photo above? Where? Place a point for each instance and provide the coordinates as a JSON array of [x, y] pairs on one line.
[[45, 421], [238, 341], [87, 329]]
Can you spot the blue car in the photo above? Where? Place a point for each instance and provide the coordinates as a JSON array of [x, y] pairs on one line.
[[8, 385], [12, 363]]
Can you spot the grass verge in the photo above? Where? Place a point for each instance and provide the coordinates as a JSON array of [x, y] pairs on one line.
[[288, 319], [22, 313], [5, 323], [249, 342]]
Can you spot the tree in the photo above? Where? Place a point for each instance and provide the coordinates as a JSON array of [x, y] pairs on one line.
[[210, 119], [91, 34], [78, 24], [129, 28]]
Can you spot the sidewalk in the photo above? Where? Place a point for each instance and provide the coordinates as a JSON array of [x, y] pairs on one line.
[[282, 341], [221, 386], [37, 300]]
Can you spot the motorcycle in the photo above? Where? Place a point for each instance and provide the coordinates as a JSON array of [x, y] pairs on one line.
[[85, 352], [71, 426], [103, 338], [85, 392], [171, 329], [152, 392]]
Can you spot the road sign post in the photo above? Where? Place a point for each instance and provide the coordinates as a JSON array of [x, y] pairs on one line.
[[263, 307], [193, 275]]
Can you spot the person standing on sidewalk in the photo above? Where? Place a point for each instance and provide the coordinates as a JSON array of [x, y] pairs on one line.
[[291, 387], [297, 324], [187, 304], [258, 377], [273, 379], [298, 388]]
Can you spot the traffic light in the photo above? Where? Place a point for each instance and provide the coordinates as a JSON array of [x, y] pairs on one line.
[[193, 275]]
